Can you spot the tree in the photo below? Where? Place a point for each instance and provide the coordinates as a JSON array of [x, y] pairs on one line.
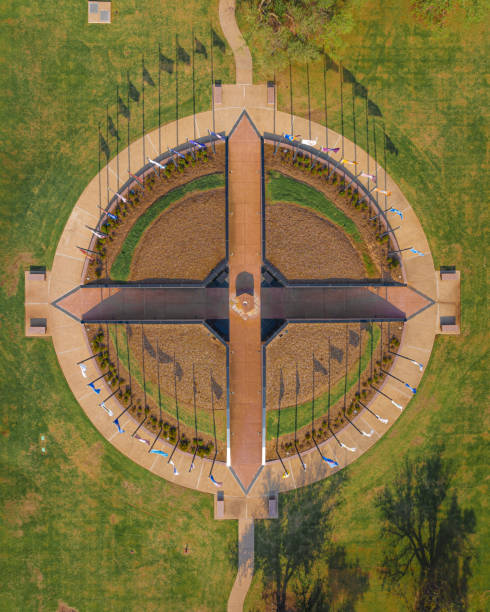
[[295, 30], [302, 568], [426, 536]]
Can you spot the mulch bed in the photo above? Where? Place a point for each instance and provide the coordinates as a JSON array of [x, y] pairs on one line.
[[286, 356], [187, 241], [304, 245], [192, 345]]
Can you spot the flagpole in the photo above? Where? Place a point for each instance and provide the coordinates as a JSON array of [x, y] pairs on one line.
[[341, 73], [325, 95], [176, 412], [296, 420], [214, 424], [354, 123], [100, 179], [329, 377], [367, 140], [412, 389], [88, 358], [360, 357], [291, 97], [313, 394], [193, 86], [309, 99], [420, 365], [387, 397], [129, 126], [143, 105], [117, 136], [346, 358], [212, 84], [195, 418], [281, 391], [176, 93], [107, 156], [159, 104]]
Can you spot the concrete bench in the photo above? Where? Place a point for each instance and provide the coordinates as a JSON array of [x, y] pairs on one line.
[[37, 327], [273, 510], [220, 504], [218, 92], [449, 275], [271, 92]]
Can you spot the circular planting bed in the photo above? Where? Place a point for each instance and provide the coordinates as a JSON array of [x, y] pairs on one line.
[[174, 228]]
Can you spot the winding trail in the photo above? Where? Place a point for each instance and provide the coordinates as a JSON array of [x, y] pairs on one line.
[[243, 57], [245, 565]]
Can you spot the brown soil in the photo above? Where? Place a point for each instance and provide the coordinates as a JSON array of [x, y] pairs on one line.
[[300, 243], [186, 241], [296, 346], [192, 345], [162, 185], [338, 420], [367, 229]]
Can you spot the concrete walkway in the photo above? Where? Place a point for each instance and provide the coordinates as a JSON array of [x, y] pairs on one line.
[[245, 258], [245, 565], [243, 57]]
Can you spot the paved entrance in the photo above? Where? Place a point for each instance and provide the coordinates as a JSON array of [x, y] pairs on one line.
[[245, 259]]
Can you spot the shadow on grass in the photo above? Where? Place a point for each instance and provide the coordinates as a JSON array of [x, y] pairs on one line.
[[301, 566], [427, 551]]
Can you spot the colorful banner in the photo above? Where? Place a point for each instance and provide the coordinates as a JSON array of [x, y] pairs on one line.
[[348, 161], [420, 366], [385, 421], [111, 216], [176, 153], [415, 252], [155, 163], [86, 253], [382, 191], [120, 197], [371, 177], [116, 423], [396, 211], [176, 473], [136, 178], [218, 136], [352, 450], [92, 386], [412, 389], [83, 368], [368, 435], [108, 410], [397, 405], [97, 233], [214, 481], [310, 143], [142, 440], [197, 144], [330, 149], [330, 462], [286, 475], [155, 451]]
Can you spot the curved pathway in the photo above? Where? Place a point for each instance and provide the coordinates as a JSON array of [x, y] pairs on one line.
[[243, 57], [71, 343]]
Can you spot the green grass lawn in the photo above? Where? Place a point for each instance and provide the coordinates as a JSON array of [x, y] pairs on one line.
[[69, 519], [121, 267], [430, 87]]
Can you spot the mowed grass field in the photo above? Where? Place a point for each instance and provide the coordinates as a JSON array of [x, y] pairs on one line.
[[429, 85], [69, 519]]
